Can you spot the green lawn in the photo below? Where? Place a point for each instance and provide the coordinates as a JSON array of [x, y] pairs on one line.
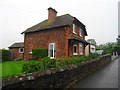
[[11, 68]]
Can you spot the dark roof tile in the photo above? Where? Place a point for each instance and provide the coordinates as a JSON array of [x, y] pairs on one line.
[[59, 21], [17, 45]]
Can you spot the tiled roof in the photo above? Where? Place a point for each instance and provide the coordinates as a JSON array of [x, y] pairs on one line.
[[17, 45], [64, 20]]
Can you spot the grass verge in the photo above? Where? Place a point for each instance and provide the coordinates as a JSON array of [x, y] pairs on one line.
[[11, 68]]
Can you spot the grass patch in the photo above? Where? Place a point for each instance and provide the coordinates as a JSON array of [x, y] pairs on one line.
[[11, 68]]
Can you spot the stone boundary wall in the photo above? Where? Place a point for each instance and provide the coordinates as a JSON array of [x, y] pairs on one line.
[[61, 77]]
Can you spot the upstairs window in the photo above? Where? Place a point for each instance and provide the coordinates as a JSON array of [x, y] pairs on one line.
[[21, 50], [74, 28], [75, 50], [80, 32]]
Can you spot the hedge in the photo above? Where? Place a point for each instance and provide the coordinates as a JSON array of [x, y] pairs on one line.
[[6, 54], [39, 53]]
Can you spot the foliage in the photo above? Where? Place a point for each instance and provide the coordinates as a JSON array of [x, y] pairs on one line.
[[6, 54], [32, 66], [93, 56], [92, 41], [98, 48], [108, 47], [63, 61], [18, 59], [11, 68], [39, 53], [118, 40], [75, 60], [48, 63], [116, 48]]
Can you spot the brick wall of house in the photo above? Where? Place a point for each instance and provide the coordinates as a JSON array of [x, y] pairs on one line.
[[77, 43], [42, 39], [16, 54]]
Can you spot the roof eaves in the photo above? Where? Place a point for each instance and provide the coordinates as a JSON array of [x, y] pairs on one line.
[[45, 29]]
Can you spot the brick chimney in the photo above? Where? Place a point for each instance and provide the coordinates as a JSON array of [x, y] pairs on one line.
[[52, 13]]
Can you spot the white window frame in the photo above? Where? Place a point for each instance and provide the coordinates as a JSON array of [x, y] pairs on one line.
[[75, 53], [54, 50], [80, 32], [74, 28], [20, 50], [81, 45]]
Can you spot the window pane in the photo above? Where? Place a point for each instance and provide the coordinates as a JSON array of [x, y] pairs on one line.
[[21, 50], [75, 49], [51, 46], [51, 50], [80, 32], [51, 53], [74, 28], [81, 47]]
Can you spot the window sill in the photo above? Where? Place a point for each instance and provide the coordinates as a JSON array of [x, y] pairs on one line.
[[80, 35], [81, 53], [52, 58], [74, 33], [75, 54]]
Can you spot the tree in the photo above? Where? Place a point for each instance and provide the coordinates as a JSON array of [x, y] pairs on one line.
[[92, 41], [108, 47]]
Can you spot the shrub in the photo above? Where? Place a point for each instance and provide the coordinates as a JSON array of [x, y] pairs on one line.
[[32, 66], [6, 54], [18, 59], [93, 56], [39, 53], [71, 60], [116, 48], [48, 63], [63, 61]]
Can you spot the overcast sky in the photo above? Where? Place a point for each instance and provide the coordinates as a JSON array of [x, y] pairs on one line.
[[99, 16]]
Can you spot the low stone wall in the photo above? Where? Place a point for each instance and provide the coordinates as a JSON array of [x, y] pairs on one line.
[[62, 77]]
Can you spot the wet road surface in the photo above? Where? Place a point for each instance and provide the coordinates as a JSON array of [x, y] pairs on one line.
[[107, 77]]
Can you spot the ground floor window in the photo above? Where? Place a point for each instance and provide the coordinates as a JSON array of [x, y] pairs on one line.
[[52, 50], [21, 50], [81, 48], [75, 50]]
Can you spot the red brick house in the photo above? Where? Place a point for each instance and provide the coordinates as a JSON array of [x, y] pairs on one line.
[[17, 50], [62, 35]]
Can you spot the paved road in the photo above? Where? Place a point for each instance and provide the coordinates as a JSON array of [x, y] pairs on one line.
[[107, 77]]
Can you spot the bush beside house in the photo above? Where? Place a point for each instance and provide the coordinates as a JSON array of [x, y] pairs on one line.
[[6, 54], [39, 53]]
